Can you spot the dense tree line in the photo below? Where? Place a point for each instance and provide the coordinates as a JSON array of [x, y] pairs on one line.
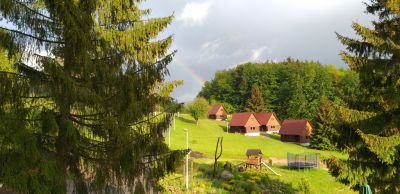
[[291, 89]]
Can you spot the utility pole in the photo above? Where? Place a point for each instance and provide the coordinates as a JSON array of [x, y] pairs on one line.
[[187, 159]]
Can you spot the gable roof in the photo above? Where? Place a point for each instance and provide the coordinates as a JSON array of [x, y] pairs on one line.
[[264, 117], [240, 119], [214, 109], [295, 127], [253, 152]]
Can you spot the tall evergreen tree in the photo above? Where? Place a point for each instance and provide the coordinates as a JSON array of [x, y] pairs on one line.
[[324, 134], [81, 116], [256, 102], [371, 135]]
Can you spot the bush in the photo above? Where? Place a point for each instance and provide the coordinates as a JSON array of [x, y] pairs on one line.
[[304, 186]]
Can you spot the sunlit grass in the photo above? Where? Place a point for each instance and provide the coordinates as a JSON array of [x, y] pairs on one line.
[[202, 138]]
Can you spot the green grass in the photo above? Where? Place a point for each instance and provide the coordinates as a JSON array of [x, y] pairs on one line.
[[202, 138]]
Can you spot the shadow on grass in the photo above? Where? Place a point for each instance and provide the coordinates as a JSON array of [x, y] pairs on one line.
[[285, 167], [274, 136], [278, 138], [250, 181], [187, 120], [223, 128]]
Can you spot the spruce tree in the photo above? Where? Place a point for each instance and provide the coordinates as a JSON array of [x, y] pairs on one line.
[[371, 135], [81, 115], [323, 134], [256, 102]]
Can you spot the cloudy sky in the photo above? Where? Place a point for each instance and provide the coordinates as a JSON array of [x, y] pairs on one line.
[[213, 35]]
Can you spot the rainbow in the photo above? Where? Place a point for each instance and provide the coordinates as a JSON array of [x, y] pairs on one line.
[[198, 78]]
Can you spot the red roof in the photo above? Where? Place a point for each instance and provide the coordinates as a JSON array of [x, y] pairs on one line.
[[264, 117], [295, 127], [214, 109], [240, 119]]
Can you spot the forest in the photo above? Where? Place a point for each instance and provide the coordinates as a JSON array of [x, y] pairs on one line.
[[292, 89]]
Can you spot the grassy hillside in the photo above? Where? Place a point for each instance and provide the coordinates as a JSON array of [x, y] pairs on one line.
[[202, 138]]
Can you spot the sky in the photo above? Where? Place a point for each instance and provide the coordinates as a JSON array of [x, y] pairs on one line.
[[212, 35]]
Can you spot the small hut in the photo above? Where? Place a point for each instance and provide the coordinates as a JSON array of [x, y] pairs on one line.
[[217, 112], [254, 158]]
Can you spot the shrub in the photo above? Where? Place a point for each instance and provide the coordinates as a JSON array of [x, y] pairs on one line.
[[304, 186]]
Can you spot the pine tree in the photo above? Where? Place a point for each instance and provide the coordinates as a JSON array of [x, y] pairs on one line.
[[371, 135], [81, 115], [256, 102]]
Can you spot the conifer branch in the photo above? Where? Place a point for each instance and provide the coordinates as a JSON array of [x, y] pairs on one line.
[[35, 97], [31, 10], [32, 36], [84, 124]]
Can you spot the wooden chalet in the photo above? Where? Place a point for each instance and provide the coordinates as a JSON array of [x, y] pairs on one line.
[[245, 123], [296, 131], [217, 112], [268, 122]]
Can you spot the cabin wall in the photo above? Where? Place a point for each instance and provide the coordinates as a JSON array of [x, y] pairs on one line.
[[309, 129], [252, 127], [220, 115], [273, 124], [237, 129], [295, 138]]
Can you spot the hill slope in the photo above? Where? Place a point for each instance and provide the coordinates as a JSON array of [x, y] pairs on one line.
[[202, 138]]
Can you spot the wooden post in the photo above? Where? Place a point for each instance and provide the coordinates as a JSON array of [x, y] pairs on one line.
[[187, 159]]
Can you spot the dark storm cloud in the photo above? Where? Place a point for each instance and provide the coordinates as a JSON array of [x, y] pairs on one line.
[[212, 35]]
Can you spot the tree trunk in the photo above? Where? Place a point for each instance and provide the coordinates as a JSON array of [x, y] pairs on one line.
[[219, 155]]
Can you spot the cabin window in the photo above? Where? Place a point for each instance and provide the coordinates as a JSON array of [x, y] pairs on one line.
[[272, 127]]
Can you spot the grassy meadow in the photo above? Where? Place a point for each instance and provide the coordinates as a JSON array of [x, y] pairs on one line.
[[203, 137]]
